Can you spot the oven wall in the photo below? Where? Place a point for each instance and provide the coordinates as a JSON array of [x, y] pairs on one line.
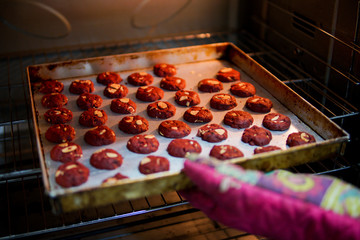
[[47, 24]]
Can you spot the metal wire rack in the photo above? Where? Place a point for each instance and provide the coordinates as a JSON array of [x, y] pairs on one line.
[[26, 211]]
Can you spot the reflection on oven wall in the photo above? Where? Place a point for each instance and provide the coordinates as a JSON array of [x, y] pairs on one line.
[[34, 25]]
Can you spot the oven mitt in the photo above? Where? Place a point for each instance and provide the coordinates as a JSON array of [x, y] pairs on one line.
[[278, 204]]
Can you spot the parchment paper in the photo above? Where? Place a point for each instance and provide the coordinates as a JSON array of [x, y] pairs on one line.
[[192, 73]]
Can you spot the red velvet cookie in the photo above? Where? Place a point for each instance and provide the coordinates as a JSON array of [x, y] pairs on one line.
[[81, 86], [149, 93], [161, 109], [187, 98], [243, 89], [276, 122], [89, 100], [228, 75], [256, 136], [58, 115], [181, 147], [113, 180], [140, 79], [225, 152], [238, 119], [71, 174], [133, 124], [299, 138], [123, 105], [164, 69], [53, 100], [99, 136], [198, 115], [212, 133], [172, 83], [259, 104], [107, 78], [210, 85], [146, 143], [223, 101], [174, 129], [51, 86], [115, 90], [93, 117], [106, 159], [265, 149], [60, 133], [154, 164], [66, 152]]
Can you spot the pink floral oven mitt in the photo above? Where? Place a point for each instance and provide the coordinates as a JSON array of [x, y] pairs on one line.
[[279, 204]]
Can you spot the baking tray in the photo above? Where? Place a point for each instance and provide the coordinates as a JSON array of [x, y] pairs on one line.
[[193, 64]]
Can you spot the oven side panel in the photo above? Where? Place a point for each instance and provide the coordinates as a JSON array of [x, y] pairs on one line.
[[321, 38]]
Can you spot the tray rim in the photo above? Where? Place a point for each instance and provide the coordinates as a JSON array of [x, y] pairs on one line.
[[60, 201]]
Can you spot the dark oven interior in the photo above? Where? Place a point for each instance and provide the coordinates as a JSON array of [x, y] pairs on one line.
[[312, 46]]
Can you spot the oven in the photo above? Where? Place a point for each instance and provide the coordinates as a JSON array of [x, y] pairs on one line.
[[311, 46]]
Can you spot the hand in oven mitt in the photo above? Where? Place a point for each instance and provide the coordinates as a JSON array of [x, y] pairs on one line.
[[279, 204]]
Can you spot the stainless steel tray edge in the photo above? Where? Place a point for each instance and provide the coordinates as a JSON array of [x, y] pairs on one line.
[[334, 136]]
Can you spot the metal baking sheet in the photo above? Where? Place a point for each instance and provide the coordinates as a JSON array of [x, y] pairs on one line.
[[193, 64]]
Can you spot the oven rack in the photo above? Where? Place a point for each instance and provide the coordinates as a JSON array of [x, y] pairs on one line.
[[26, 211]]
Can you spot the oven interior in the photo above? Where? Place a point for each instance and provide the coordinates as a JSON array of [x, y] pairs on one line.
[[312, 46]]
